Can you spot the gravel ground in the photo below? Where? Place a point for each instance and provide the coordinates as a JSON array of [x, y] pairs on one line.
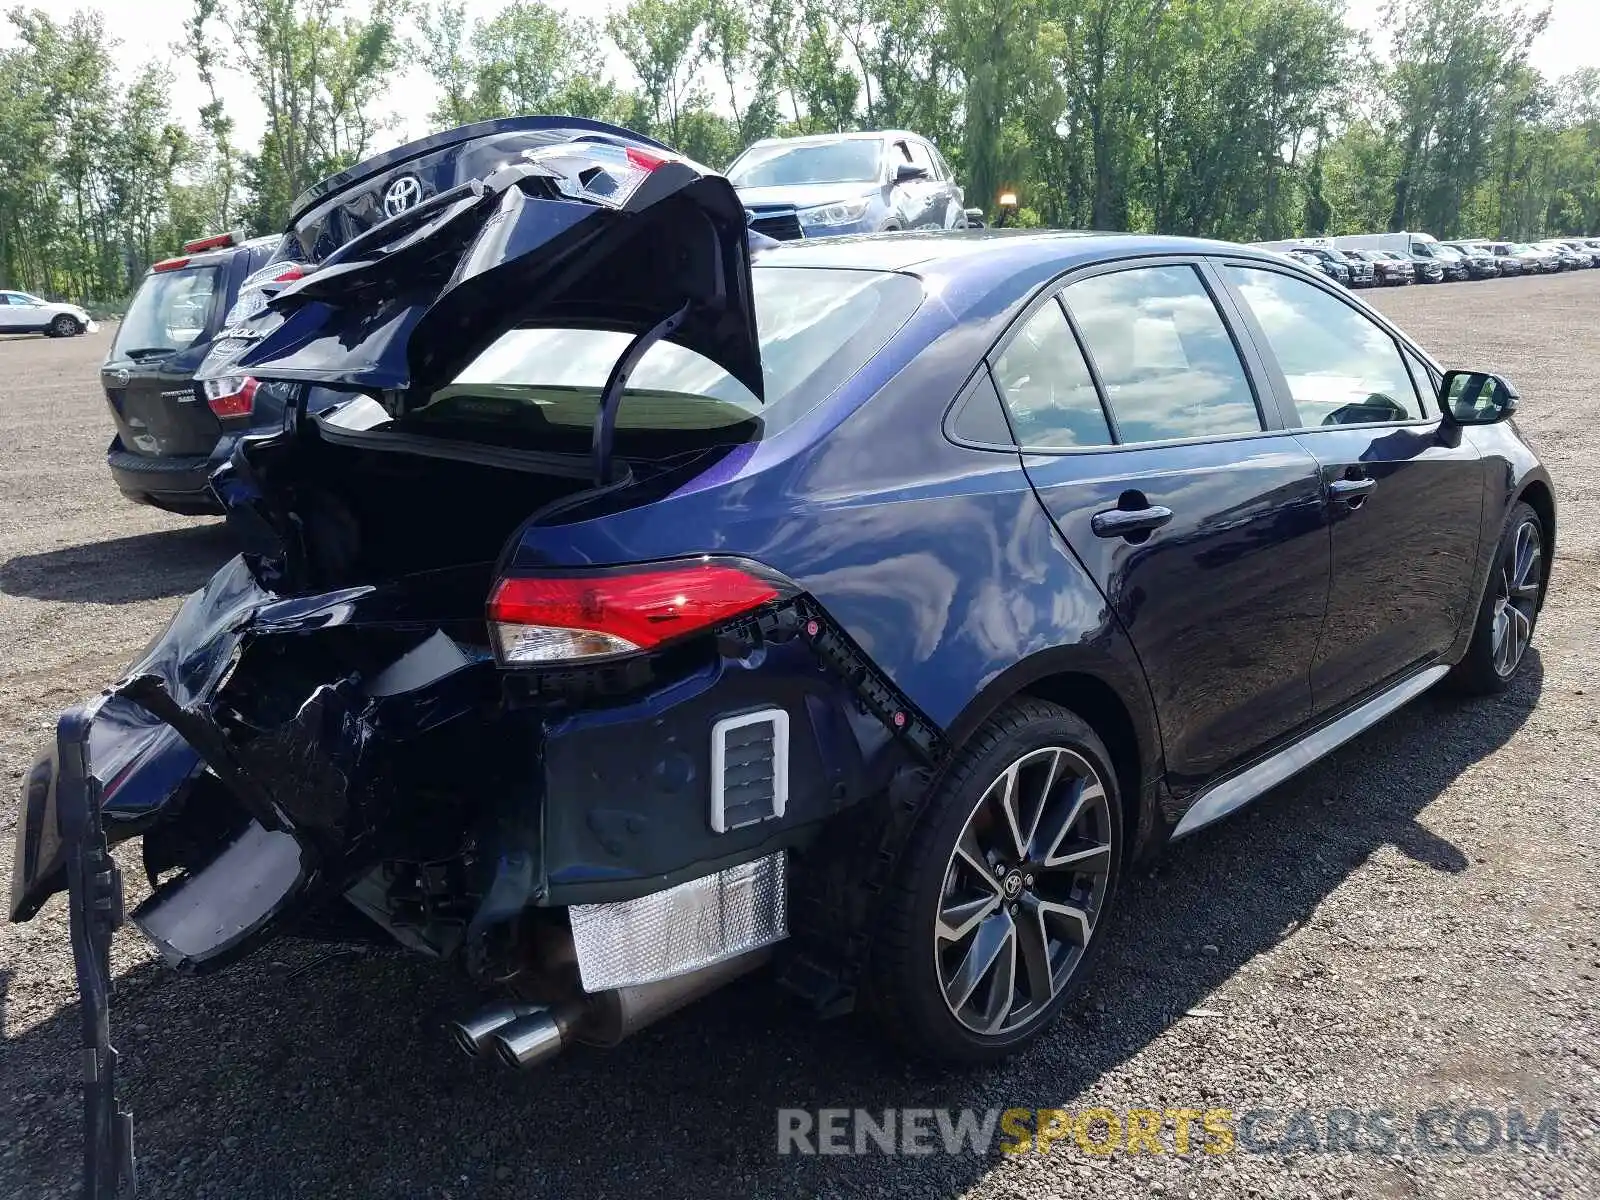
[[1410, 924]]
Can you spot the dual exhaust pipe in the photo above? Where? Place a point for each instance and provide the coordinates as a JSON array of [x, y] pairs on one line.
[[519, 1035], [526, 1035]]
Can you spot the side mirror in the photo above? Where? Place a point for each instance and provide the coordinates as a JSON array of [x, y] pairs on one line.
[[975, 218], [1476, 398], [906, 172]]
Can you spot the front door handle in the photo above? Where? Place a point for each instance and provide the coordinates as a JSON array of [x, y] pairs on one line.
[[1129, 522], [1352, 491]]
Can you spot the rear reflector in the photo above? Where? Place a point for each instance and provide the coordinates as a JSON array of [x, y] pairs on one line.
[[557, 619], [234, 396], [170, 264]]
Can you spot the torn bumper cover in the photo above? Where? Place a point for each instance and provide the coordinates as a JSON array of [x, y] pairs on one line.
[[64, 786], [268, 779]]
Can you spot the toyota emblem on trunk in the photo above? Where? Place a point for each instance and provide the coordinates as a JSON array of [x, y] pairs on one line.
[[402, 194]]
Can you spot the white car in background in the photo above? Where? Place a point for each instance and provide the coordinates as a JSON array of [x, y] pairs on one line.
[[24, 313]]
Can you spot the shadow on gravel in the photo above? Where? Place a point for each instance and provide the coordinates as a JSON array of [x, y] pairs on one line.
[[295, 1074], [146, 566]]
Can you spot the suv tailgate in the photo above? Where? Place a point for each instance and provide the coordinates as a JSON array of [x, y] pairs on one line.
[[147, 376]]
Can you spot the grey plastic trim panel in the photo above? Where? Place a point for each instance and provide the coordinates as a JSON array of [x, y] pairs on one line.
[[1219, 801]]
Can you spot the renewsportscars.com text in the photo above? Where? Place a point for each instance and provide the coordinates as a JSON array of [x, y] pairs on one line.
[[1438, 1129]]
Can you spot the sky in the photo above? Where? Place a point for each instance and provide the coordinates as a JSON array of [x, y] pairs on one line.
[[147, 29]]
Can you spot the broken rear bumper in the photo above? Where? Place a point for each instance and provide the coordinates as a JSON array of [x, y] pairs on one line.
[[331, 773]]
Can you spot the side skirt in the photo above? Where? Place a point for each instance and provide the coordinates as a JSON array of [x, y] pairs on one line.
[[1222, 798]]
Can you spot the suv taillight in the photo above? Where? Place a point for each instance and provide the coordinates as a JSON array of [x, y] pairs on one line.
[[234, 396], [561, 618]]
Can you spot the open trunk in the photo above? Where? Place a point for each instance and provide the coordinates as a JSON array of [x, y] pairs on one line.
[[358, 610], [324, 514], [331, 729]]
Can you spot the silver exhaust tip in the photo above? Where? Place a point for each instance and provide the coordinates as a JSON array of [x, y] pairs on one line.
[[473, 1033], [529, 1040]]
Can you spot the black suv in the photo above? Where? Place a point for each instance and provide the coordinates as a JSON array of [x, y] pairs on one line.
[[1362, 272], [169, 436]]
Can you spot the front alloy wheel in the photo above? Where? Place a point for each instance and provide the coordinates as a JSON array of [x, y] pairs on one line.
[[1023, 891], [1510, 607], [1517, 598], [990, 923]]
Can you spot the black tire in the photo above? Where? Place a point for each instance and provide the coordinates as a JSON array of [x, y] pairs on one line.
[[914, 957], [1486, 668], [65, 325]]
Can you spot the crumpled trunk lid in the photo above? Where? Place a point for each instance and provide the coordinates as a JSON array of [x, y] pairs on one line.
[[588, 235]]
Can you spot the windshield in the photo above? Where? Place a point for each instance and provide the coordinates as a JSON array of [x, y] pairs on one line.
[[1446, 253], [851, 160], [169, 312], [540, 388]]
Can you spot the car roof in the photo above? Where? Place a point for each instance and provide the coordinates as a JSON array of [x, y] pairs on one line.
[[212, 258], [966, 267], [858, 135], [939, 251]]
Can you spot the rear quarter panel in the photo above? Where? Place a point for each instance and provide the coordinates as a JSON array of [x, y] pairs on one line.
[[936, 559]]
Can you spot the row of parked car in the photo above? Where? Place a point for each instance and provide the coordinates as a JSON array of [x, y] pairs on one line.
[[1387, 259]]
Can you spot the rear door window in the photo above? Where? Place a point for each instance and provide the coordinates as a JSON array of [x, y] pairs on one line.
[[540, 387], [170, 311], [1169, 367]]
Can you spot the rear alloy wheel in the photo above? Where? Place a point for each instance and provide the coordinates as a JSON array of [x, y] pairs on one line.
[[1510, 607], [1002, 889], [1023, 890], [65, 326]]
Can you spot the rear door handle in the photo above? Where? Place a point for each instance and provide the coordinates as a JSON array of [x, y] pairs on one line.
[[1129, 522], [1352, 491]]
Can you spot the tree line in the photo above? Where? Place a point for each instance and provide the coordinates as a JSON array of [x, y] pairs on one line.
[[1240, 119]]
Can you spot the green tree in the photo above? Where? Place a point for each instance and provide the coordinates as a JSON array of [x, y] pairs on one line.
[[319, 70], [1454, 63], [663, 42], [90, 161]]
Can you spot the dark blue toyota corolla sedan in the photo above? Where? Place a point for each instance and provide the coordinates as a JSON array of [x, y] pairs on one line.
[[634, 612]]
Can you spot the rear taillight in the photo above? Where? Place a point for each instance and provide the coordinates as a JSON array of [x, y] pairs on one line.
[[260, 287], [645, 160], [233, 396], [559, 618]]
